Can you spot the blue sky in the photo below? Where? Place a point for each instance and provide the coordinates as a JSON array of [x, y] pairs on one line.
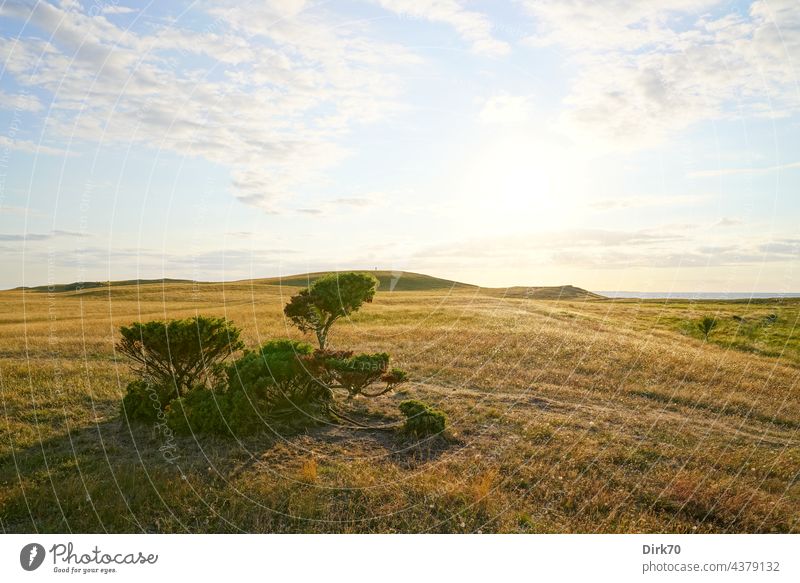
[[612, 145]]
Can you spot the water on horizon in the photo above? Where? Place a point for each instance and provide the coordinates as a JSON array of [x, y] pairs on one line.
[[699, 295]]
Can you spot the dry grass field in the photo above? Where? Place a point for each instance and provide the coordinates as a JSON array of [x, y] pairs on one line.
[[570, 415]]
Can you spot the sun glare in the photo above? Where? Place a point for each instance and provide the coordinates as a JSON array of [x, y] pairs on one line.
[[521, 181]]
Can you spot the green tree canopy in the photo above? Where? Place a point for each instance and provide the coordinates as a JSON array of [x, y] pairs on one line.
[[179, 353], [333, 296]]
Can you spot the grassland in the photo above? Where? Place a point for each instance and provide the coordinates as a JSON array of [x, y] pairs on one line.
[[577, 415]]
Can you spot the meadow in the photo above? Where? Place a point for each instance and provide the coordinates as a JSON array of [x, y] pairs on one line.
[[568, 414]]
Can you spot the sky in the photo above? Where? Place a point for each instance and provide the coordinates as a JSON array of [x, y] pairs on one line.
[[615, 145]]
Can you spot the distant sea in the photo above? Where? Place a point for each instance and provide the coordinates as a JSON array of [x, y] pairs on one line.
[[697, 295]]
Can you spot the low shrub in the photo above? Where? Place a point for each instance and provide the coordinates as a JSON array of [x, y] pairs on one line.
[[706, 326], [282, 377], [355, 373], [200, 411], [220, 413], [180, 354], [272, 387], [422, 420], [144, 401], [284, 386]]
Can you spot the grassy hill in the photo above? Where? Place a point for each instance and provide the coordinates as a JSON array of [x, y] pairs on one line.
[[562, 292], [94, 285], [568, 416], [389, 281]]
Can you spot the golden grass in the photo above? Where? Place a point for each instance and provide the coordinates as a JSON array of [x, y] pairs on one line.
[[592, 416]]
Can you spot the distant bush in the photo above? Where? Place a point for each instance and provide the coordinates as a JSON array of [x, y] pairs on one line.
[[179, 353], [144, 401], [422, 420], [331, 297], [706, 325]]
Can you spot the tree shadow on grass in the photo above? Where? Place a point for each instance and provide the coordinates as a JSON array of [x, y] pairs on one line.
[[115, 476]]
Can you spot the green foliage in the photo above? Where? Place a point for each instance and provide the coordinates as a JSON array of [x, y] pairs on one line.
[[284, 386], [354, 373], [272, 387], [180, 353], [422, 420], [199, 412], [706, 325], [219, 413], [281, 376], [331, 297], [144, 401]]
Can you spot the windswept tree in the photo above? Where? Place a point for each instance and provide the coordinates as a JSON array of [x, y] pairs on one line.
[[355, 373], [706, 326], [331, 297], [179, 354]]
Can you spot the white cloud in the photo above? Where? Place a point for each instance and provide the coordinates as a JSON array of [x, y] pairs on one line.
[[347, 204], [593, 249], [19, 211], [41, 236], [276, 89], [354, 201], [31, 147], [729, 222], [473, 27], [648, 70], [506, 109], [118, 10], [628, 202], [609, 25], [734, 171], [20, 102]]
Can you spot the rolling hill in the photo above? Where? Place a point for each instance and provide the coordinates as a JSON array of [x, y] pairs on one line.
[[390, 281], [558, 292], [78, 286]]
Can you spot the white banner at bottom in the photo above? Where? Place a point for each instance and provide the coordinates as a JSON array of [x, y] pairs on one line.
[[406, 558]]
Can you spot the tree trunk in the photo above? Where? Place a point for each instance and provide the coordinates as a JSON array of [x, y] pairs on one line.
[[322, 338]]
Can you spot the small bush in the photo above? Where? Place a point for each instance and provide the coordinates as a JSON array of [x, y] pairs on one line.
[[145, 401], [706, 326], [422, 420], [220, 413], [279, 386], [200, 411], [282, 377], [356, 373], [273, 387], [180, 353]]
